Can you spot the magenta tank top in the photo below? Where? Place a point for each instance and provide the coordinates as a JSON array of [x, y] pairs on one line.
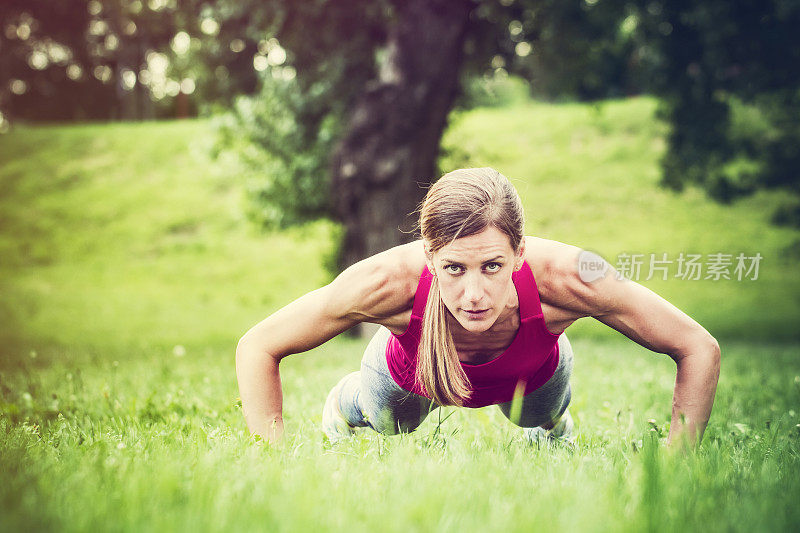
[[531, 358]]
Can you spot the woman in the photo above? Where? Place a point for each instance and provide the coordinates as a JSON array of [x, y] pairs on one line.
[[473, 314]]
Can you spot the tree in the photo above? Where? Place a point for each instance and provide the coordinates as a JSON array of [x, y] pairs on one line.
[[391, 142], [118, 59], [388, 77], [728, 79], [79, 59]]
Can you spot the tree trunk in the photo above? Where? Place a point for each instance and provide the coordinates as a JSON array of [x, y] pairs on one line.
[[388, 153]]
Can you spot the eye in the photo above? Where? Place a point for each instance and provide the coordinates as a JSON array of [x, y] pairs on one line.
[[492, 267], [452, 269]]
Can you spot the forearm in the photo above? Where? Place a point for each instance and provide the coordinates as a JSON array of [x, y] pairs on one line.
[[693, 398], [260, 391]]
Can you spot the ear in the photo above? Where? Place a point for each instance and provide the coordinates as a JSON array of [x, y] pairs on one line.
[[428, 257], [519, 258]]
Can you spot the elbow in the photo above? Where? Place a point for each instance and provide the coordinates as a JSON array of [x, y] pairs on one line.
[[707, 349], [245, 342], [702, 347], [715, 353], [250, 347], [242, 349]]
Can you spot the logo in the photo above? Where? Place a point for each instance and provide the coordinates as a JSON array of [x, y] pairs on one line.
[[591, 266]]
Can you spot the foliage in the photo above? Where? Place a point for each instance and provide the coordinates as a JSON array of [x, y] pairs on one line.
[[285, 133], [285, 156], [84, 59], [494, 90], [577, 49], [723, 65]]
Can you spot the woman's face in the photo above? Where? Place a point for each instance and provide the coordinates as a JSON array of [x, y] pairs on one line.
[[474, 276]]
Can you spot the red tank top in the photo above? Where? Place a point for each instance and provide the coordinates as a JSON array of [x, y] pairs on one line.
[[531, 358]]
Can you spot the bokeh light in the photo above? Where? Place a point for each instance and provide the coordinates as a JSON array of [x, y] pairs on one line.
[[260, 63], [94, 7], [38, 60], [187, 86], [209, 26], [236, 45], [276, 55], [74, 72], [128, 79], [103, 73], [18, 87], [181, 43]]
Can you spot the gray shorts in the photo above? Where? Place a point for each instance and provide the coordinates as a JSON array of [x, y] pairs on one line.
[[371, 397]]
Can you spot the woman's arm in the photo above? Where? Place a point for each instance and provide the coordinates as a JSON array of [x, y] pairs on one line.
[[652, 322], [366, 291], [300, 326]]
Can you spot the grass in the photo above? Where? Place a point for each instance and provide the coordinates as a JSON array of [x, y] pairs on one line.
[[156, 442], [127, 273]]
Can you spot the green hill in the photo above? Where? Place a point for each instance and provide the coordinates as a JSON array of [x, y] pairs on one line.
[[131, 235]]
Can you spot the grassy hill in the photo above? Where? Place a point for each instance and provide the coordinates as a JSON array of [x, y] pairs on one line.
[[131, 235]]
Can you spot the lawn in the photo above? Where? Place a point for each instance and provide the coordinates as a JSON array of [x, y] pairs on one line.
[[128, 272]]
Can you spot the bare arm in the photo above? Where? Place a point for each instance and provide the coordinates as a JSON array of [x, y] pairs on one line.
[[303, 324], [364, 292], [654, 323], [648, 319]]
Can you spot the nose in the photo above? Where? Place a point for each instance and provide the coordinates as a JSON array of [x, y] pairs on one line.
[[473, 288]]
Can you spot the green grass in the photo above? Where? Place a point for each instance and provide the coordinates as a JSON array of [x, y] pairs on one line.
[[128, 272], [156, 442]]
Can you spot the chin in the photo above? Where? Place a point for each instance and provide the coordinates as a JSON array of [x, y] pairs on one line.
[[476, 326]]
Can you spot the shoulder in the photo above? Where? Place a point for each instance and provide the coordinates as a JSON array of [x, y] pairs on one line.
[[556, 268], [382, 285], [552, 262]]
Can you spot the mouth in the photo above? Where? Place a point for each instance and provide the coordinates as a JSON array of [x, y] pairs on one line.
[[476, 314]]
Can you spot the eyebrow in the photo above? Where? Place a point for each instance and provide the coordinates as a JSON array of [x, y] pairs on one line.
[[445, 260]]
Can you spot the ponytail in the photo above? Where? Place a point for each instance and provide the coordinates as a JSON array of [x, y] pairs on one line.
[[439, 370]]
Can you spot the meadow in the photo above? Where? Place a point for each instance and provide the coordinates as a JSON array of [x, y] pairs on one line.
[[128, 271]]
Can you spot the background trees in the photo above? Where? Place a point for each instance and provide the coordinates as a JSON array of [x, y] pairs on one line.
[[81, 59], [728, 78], [349, 98]]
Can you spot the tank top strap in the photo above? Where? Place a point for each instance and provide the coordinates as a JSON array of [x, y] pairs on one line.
[[528, 293], [421, 297]]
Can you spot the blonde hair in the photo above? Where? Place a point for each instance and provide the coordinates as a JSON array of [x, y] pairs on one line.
[[462, 203]]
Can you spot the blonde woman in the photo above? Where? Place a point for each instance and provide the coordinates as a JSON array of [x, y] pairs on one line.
[[473, 314]]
